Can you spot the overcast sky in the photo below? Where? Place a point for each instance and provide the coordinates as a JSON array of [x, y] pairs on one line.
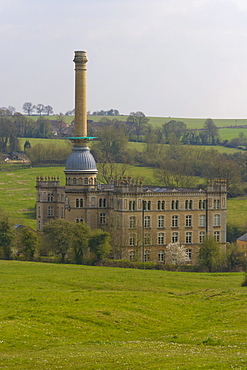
[[178, 58]]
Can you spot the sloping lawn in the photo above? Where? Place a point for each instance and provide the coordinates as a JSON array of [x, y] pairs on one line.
[[82, 317]]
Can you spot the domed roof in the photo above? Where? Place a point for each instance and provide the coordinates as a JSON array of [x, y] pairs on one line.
[[80, 160]]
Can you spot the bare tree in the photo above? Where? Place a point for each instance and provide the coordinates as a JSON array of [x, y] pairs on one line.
[[7, 111], [40, 108], [111, 171], [139, 123], [28, 108], [48, 109]]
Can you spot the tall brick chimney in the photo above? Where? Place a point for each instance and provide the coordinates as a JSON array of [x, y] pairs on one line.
[[80, 61]]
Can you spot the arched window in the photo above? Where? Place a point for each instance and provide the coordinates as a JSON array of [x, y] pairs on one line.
[[188, 204], [102, 202], [86, 181], [132, 205], [202, 204], [79, 203], [216, 204], [175, 204], [50, 211], [50, 197]]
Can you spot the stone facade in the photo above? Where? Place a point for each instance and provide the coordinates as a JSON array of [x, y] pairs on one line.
[[142, 219]]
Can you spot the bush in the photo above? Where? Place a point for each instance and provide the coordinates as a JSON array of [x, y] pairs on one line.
[[244, 282]]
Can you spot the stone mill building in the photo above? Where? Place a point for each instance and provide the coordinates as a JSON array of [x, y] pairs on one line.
[[141, 219]]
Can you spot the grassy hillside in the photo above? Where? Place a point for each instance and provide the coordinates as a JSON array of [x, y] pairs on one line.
[[158, 121], [17, 191], [192, 123], [230, 133], [236, 211], [221, 149], [82, 317], [133, 145]]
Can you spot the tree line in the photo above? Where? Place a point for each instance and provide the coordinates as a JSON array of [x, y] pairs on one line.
[[174, 164], [60, 241], [18, 126], [66, 242]]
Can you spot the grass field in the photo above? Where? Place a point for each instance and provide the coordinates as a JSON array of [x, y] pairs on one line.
[[34, 141], [237, 211], [192, 123], [17, 191], [230, 133], [132, 145], [221, 149], [82, 317]]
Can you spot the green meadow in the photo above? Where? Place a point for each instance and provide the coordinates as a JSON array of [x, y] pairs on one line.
[[33, 141], [237, 211], [230, 133], [221, 149], [192, 123], [133, 145], [83, 317]]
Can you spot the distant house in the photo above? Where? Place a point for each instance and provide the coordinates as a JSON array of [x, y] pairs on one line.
[[242, 243], [60, 128]]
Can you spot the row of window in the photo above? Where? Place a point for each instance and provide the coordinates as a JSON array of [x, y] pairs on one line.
[[79, 202], [161, 255], [174, 238], [188, 204], [146, 205], [147, 219], [80, 181], [174, 221], [51, 212]]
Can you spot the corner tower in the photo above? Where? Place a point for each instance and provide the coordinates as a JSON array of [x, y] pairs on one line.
[[80, 166]]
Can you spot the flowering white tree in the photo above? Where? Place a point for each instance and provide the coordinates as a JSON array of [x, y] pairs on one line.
[[175, 254]]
